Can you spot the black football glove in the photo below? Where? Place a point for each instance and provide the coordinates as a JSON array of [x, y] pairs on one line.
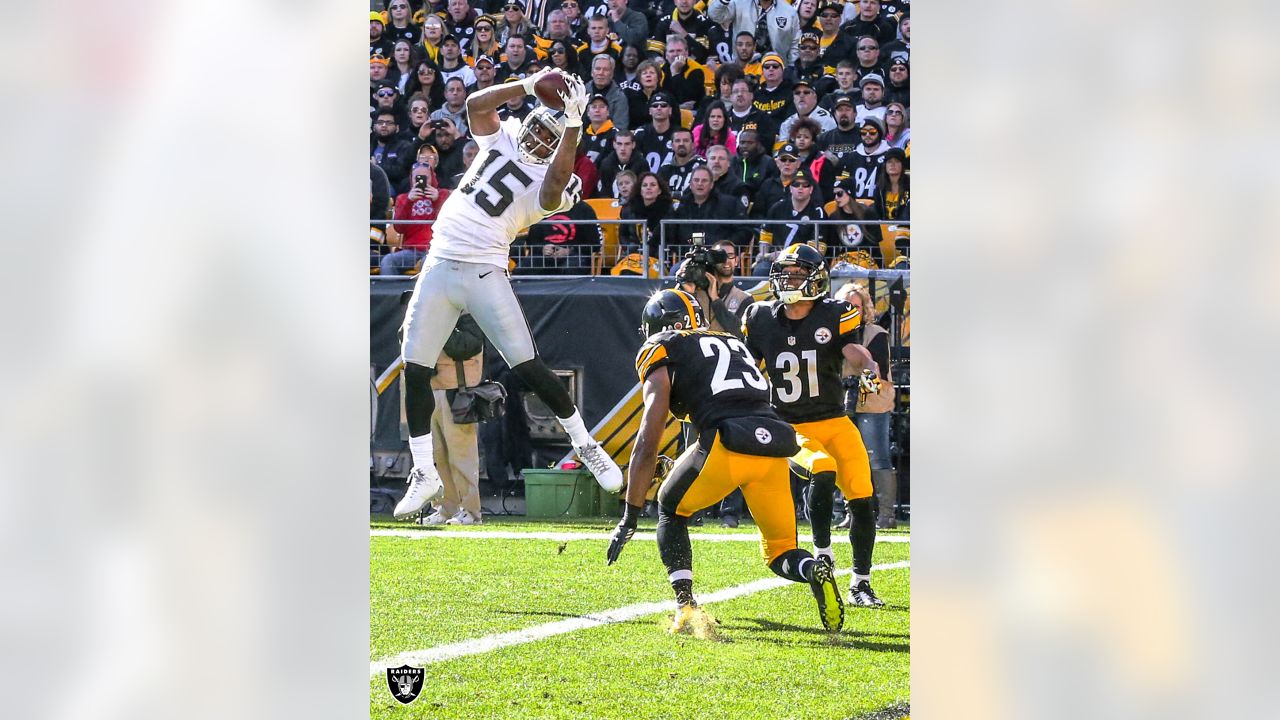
[[621, 534]]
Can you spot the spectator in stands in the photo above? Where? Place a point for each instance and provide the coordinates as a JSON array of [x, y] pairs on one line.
[[773, 97], [872, 413], [432, 34], [720, 42], [686, 78], [844, 137], [485, 40], [631, 27], [872, 87], [871, 22], [455, 105], [558, 248], [625, 187], [598, 43], [426, 82], [386, 97], [586, 170], [796, 211], [602, 83], [743, 113], [809, 67], [718, 161], [459, 21], [863, 163], [703, 202], [807, 15], [775, 188], [868, 51], [899, 87], [623, 158], [726, 75], [853, 237], [744, 53], [901, 46], [846, 86], [577, 23], [456, 446], [676, 172], [684, 20], [897, 125], [469, 153], [651, 203], [562, 55], [514, 23], [392, 153], [422, 202], [448, 144], [599, 131], [419, 129], [518, 60], [653, 140], [753, 165], [486, 71], [648, 81], [626, 70], [402, 62], [451, 63], [774, 24], [401, 26], [835, 45], [714, 130], [893, 187], [379, 209], [377, 71], [806, 104], [379, 43], [804, 135]]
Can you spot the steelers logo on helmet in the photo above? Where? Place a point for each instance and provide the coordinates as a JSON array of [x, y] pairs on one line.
[[670, 310], [799, 273], [540, 134]]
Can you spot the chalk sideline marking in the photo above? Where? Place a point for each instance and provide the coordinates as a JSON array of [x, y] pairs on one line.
[[565, 536]]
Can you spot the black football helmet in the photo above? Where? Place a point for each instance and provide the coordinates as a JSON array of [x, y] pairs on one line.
[[670, 310], [816, 284]]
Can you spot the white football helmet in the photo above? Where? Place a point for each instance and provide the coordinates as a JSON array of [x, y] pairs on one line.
[[529, 142]]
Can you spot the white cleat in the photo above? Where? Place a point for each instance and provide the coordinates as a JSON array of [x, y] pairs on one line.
[[424, 487], [436, 518], [602, 466], [463, 518]]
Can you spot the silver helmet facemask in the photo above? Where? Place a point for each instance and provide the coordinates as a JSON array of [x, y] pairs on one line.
[[529, 142]]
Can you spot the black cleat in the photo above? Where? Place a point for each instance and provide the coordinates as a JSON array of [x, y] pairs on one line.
[[862, 595], [827, 593]]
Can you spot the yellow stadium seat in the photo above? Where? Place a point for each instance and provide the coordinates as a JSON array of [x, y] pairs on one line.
[[606, 209]]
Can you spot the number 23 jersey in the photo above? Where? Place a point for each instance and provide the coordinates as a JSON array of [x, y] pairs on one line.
[[804, 359], [496, 198], [713, 377]]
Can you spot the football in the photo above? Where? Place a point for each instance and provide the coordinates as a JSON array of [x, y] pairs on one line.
[[548, 90]]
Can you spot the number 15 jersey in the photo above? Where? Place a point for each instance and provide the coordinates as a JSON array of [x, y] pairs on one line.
[[497, 198], [804, 358]]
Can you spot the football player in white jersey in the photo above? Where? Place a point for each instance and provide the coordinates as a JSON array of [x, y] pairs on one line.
[[523, 173]]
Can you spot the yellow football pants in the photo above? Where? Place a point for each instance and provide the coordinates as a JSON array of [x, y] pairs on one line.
[[835, 445]]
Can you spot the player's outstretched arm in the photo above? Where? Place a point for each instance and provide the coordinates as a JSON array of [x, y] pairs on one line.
[[644, 457], [575, 103], [482, 105]]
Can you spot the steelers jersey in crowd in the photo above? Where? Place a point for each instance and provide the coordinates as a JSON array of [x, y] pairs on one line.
[[713, 377], [803, 358]]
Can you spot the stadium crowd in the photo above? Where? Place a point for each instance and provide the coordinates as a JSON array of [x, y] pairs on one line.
[[764, 113]]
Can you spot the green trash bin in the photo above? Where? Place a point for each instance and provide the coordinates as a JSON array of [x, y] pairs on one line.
[[559, 493], [610, 504]]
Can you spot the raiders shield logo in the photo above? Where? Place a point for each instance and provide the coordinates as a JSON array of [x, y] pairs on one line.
[[782, 22], [405, 683]]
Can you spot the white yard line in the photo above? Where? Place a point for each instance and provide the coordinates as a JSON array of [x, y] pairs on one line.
[[489, 643], [565, 536]]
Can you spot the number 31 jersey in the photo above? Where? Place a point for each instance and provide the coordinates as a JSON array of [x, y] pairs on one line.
[[804, 358], [713, 377], [497, 198]]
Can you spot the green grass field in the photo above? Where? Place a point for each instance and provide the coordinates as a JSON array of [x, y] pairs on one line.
[[773, 659]]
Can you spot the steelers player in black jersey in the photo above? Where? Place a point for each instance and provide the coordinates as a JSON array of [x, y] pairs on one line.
[[710, 378], [803, 339]]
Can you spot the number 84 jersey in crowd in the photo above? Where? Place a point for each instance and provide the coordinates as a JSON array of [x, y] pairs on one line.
[[804, 358], [496, 198], [713, 377]]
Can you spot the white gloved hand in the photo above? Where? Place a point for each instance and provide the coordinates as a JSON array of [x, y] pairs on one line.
[[575, 101], [533, 79]]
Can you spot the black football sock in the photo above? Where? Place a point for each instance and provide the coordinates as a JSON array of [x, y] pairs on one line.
[[821, 499], [794, 565], [862, 534], [676, 553], [419, 400]]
